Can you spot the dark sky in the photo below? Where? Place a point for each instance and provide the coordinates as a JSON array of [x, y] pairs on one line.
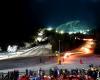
[[22, 17]]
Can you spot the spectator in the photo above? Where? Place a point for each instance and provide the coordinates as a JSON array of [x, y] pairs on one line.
[[54, 74]]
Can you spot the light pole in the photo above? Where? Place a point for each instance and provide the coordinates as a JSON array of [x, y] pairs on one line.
[[59, 60]]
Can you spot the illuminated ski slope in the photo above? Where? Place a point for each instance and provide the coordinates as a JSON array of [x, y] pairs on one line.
[[35, 51]]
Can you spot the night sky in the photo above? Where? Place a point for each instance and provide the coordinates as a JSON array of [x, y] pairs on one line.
[[21, 18]]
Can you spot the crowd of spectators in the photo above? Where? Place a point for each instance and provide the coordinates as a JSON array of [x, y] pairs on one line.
[[53, 74]]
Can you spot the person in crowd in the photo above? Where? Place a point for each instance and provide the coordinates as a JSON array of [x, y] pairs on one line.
[[54, 74]]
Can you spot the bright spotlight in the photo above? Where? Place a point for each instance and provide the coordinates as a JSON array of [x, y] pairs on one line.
[[39, 39], [62, 32], [50, 28], [86, 50], [56, 31], [90, 40], [84, 32], [81, 31], [67, 54], [70, 32]]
